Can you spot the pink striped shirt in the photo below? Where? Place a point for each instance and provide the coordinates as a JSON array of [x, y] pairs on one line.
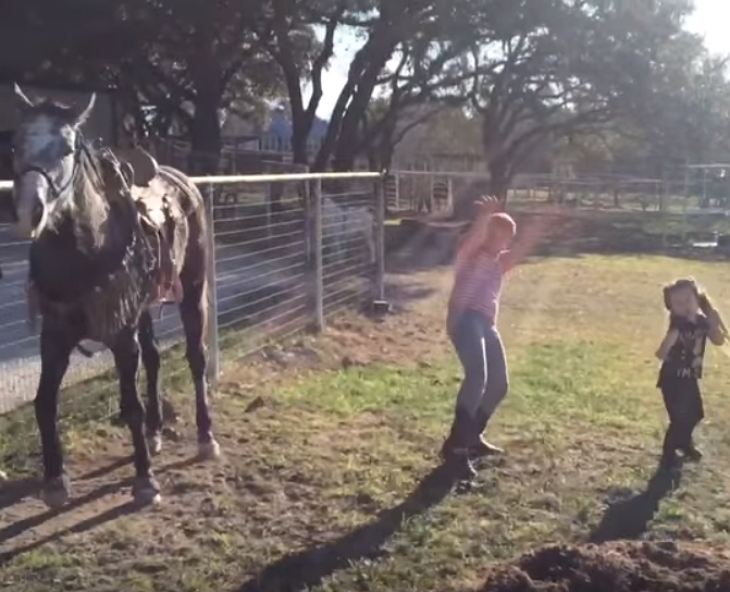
[[478, 286]]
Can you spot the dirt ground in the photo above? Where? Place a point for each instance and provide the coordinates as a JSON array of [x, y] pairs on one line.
[[616, 567], [269, 486], [99, 463]]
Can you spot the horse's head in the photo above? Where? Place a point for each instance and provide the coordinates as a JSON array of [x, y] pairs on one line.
[[46, 153]]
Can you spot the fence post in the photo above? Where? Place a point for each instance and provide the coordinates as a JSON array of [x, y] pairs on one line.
[[396, 182], [316, 197], [306, 202], [268, 196], [213, 349], [379, 237], [450, 194]]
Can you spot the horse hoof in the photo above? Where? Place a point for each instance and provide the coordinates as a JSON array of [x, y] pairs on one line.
[[56, 492], [209, 450], [154, 442], [146, 491]]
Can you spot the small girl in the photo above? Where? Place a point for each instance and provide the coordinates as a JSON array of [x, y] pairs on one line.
[[693, 319], [482, 261]]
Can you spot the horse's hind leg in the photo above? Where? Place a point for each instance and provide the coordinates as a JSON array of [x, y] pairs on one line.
[[151, 361], [194, 315], [56, 347], [126, 357]]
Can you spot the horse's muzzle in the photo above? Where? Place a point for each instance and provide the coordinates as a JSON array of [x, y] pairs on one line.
[[29, 216], [36, 213]]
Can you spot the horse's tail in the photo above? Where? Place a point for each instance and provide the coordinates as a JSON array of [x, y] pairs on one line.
[[192, 204]]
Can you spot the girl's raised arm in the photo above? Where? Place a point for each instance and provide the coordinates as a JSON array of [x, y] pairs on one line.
[[534, 233], [667, 343], [477, 234], [717, 332]]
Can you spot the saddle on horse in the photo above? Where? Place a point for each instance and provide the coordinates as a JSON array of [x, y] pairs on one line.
[[122, 181], [133, 177]]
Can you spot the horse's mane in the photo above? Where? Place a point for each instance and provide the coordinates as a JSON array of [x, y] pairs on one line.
[[90, 206]]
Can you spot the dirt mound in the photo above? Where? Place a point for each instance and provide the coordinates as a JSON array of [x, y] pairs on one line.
[[615, 567]]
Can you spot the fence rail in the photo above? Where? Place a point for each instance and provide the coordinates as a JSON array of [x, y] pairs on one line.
[[286, 251], [256, 179]]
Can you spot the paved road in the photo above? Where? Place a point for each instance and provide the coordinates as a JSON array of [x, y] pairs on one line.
[[246, 283]]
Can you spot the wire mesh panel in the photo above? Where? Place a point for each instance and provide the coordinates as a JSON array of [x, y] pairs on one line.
[[268, 280], [263, 281], [18, 347], [19, 353], [423, 192], [348, 241]]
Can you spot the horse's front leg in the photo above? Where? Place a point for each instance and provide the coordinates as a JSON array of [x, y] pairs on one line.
[[126, 357], [56, 347]]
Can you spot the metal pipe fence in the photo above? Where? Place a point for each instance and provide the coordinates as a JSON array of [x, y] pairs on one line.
[[286, 253], [436, 192]]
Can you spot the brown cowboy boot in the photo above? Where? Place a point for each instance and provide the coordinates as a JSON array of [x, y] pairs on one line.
[[479, 446], [455, 449]]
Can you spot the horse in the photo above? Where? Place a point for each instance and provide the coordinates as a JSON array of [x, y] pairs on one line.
[[103, 241]]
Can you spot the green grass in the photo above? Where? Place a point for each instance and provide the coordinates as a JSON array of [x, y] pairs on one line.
[[320, 485]]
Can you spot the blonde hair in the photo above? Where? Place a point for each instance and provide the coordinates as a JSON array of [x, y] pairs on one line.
[[502, 220], [498, 220], [703, 299]]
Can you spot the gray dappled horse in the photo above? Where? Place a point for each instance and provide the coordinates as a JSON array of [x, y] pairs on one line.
[[106, 236]]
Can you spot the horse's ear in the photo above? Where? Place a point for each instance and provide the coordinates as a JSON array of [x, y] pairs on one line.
[[82, 117], [24, 103]]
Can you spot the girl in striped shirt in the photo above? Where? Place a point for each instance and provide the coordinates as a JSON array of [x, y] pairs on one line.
[[482, 261]]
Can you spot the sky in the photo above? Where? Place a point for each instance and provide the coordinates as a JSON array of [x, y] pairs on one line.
[[711, 20]]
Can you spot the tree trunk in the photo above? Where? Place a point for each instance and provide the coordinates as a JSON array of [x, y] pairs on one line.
[[299, 139], [346, 149], [340, 143], [205, 135], [500, 179]]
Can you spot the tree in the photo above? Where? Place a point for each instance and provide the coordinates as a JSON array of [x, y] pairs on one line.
[[174, 64], [685, 119], [194, 59], [288, 36], [426, 82], [416, 31], [426, 38], [420, 131], [690, 117], [555, 69]]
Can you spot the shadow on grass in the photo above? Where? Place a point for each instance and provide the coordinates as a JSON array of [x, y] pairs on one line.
[[401, 294], [17, 528], [629, 518], [109, 515], [306, 569], [14, 491]]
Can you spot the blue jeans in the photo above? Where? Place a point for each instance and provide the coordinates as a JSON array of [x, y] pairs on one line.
[[481, 353]]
